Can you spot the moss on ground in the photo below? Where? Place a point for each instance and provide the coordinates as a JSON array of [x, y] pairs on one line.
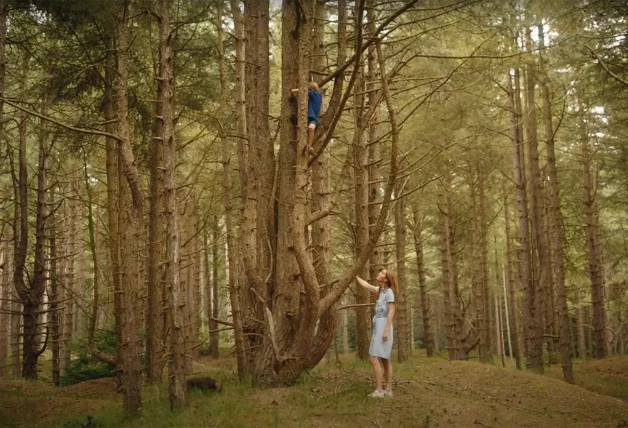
[[428, 393]]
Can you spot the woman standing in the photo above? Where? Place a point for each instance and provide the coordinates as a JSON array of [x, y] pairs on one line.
[[382, 329]]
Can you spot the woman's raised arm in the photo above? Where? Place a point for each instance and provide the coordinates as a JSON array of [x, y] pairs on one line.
[[366, 285]]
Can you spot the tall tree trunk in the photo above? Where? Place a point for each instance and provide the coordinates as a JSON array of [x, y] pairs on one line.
[[68, 281], [580, 321], [20, 240], [482, 313], [207, 282], [235, 292], [177, 388], [93, 245], [53, 297], [290, 326], [194, 290], [215, 303], [345, 332], [450, 296], [535, 360], [32, 304], [507, 313], [4, 307], [31, 293], [81, 291], [428, 337], [593, 249], [131, 208], [360, 161], [112, 162], [589, 331], [511, 285], [374, 145], [15, 334], [250, 176], [483, 248], [557, 234], [499, 335], [156, 300], [321, 202], [437, 323], [533, 357], [4, 285], [401, 328]]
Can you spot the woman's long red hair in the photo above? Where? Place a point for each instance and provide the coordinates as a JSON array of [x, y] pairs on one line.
[[391, 278]]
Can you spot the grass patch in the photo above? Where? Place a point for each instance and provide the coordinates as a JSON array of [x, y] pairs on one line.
[[607, 377], [429, 392]]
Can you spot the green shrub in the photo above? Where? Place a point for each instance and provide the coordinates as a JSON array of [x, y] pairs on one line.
[[86, 367]]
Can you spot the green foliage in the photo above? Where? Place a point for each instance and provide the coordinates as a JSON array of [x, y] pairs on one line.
[[86, 367]]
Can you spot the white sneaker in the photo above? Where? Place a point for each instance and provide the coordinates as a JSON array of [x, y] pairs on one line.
[[388, 393], [377, 394]]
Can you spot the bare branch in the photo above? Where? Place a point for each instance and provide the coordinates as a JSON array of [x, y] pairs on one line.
[[61, 124], [610, 72]]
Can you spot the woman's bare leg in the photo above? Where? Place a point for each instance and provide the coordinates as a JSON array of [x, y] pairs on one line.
[[378, 372], [388, 370]]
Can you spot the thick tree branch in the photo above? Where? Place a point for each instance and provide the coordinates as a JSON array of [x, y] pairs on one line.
[[61, 124], [336, 293]]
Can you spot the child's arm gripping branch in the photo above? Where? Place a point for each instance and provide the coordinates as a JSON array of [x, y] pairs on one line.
[[366, 285]]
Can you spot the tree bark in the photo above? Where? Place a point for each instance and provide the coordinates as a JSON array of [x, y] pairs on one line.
[[177, 387], [236, 294], [345, 332], [321, 230], [428, 336], [593, 250], [290, 321], [4, 284], [459, 340], [131, 229], [113, 195], [374, 144], [511, 286], [68, 282], [483, 248], [360, 161], [580, 320], [81, 320], [215, 302], [557, 233], [535, 360], [401, 328], [499, 330], [478, 248], [4, 306], [93, 319], [31, 293], [53, 298], [156, 300], [533, 357]]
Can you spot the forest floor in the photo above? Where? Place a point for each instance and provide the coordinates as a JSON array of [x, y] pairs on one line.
[[429, 392]]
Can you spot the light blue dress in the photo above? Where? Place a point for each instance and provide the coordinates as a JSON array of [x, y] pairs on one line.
[[378, 347]]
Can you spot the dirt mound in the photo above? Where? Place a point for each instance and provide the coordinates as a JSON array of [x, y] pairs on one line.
[[95, 387], [439, 393], [606, 377]]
